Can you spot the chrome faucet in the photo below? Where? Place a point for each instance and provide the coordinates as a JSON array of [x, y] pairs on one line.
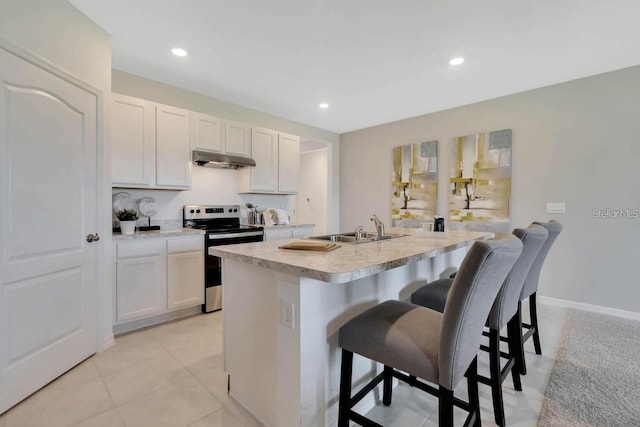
[[358, 233], [379, 225]]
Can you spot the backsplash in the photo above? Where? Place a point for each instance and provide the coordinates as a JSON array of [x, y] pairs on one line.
[[209, 187]]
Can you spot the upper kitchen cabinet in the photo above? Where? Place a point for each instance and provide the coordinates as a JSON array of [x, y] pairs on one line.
[[288, 163], [238, 138], [277, 157], [208, 133], [264, 150], [151, 146], [133, 142], [173, 148]]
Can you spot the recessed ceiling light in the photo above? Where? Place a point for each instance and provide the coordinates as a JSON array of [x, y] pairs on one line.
[[323, 105], [457, 61], [179, 52]]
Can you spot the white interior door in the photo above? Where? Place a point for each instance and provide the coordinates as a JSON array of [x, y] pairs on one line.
[[48, 320], [312, 200]]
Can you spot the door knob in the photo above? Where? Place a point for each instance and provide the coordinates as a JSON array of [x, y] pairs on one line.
[[93, 237]]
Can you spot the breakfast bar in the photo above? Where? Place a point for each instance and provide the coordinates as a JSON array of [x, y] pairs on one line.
[[282, 310]]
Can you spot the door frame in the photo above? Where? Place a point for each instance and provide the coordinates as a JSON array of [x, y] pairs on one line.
[[104, 300], [333, 181]]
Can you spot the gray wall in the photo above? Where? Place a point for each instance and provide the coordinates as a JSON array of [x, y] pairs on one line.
[[140, 87], [576, 142]]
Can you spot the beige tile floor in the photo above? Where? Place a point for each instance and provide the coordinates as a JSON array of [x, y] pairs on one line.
[[171, 375]]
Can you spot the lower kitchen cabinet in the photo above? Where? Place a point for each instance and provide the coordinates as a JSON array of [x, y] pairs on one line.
[[140, 271], [301, 232], [155, 277], [185, 275], [277, 234], [288, 233]]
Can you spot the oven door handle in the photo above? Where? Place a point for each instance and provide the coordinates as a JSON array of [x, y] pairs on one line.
[[234, 235]]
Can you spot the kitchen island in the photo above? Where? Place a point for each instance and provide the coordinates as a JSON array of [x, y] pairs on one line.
[[282, 310]]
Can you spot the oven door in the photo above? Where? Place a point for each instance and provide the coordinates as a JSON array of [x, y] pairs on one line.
[[213, 265]]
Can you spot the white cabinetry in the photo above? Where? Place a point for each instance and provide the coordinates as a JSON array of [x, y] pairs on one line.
[[288, 233], [133, 142], [140, 277], [173, 148], [302, 232], [277, 157], [264, 150], [155, 277], [238, 138], [288, 163], [185, 273], [276, 234], [151, 146], [208, 133]]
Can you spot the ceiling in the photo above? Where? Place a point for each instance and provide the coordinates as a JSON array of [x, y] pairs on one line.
[[373, 61]]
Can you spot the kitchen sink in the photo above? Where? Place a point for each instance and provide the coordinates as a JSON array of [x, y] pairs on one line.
[[351, 237]]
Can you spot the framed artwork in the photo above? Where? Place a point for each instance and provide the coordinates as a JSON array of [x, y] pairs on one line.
[[414, 184], [480, 182]]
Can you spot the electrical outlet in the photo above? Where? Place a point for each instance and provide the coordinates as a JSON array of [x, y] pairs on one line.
[[288, 314]]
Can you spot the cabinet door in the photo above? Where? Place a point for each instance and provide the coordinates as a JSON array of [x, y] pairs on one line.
[[133, 140], [288, 163], [277, 234], [264, 150], [238, 138], [185, 280], [140, 283], [208, 133], [302, 232], [173, 148]]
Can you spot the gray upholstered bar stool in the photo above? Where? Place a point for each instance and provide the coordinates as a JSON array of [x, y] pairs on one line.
[[438, 347], [530, 290], [503, 313]]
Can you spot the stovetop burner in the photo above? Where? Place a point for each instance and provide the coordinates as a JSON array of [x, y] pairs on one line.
[[215, 219]]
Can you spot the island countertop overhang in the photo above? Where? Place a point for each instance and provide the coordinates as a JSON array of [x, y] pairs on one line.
[[350, 261]]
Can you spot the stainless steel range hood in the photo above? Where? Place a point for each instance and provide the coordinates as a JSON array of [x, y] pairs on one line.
[[221, 161]]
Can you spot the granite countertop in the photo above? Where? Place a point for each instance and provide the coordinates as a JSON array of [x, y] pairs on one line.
[[172, 232], [350, 261], [287, 226]]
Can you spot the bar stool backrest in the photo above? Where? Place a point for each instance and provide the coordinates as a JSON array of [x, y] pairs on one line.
[[472, 293], [506, 304], [531, 283]]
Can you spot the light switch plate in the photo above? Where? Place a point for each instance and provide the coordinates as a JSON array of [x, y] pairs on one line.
[[555, 208]]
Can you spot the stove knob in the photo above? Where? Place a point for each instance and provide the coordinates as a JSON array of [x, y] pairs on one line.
[[230, 210], [198, 211], [191, 211]]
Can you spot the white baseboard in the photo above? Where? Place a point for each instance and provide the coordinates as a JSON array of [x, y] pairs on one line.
[[107, 342], [131, 326], [557, 302]]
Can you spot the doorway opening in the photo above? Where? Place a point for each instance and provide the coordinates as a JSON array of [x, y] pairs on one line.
[[314, 200]]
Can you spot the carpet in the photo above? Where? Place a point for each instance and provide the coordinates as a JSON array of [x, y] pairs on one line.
[[596, 378]]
